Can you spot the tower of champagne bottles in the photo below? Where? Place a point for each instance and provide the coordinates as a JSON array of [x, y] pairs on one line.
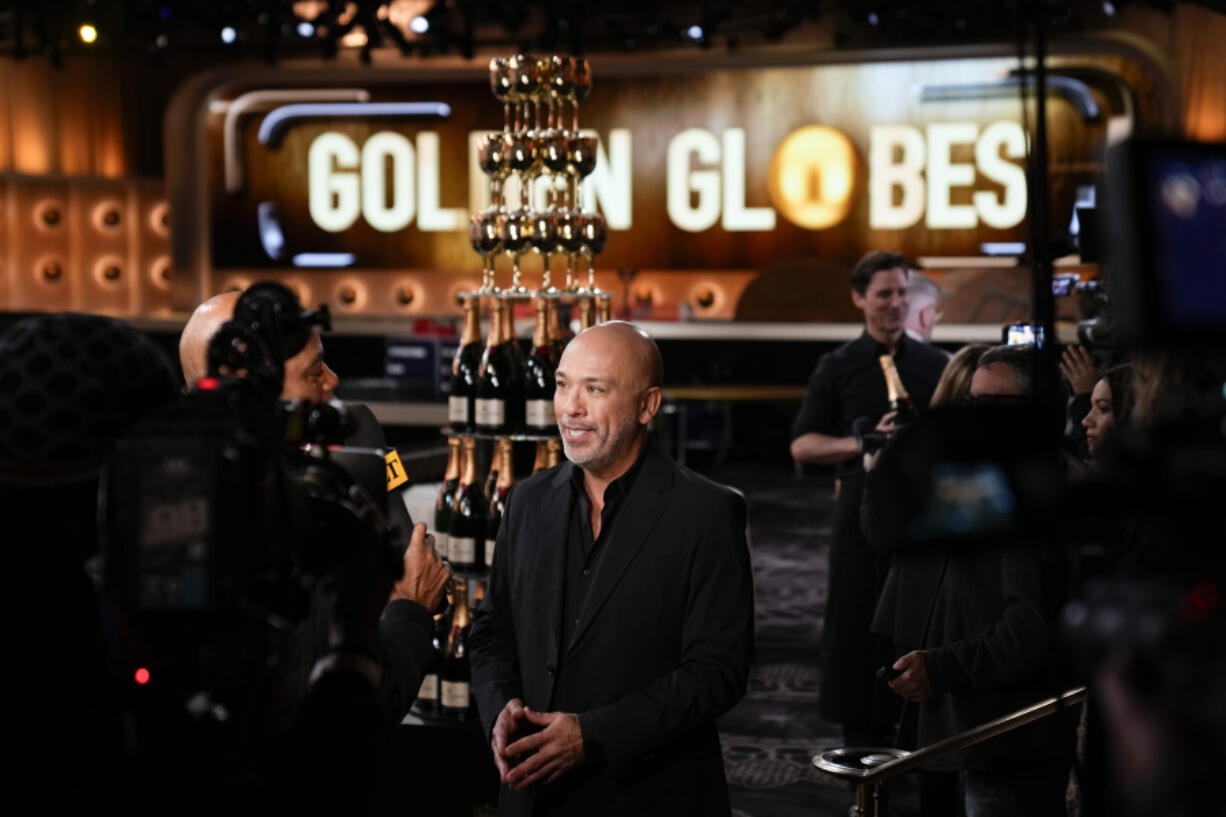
[[501, 419]]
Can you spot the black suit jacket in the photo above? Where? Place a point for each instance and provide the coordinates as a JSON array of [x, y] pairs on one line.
[[663, 649]]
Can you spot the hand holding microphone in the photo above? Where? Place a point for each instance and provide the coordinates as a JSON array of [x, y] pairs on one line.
[[425, 574]]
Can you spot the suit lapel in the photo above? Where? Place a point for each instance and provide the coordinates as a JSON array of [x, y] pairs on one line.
[[642, 509], [551, 556]]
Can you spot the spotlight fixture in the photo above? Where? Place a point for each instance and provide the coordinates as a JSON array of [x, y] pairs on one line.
[[305, 29], [88, 34], [694, 32], [1108, 8], [873, 19], [229, 35], [419, 25]]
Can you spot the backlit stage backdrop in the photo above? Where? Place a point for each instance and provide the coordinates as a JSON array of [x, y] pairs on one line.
[[356, 187]]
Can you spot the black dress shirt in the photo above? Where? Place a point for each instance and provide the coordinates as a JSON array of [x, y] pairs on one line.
[[583, 551], [848, 383]]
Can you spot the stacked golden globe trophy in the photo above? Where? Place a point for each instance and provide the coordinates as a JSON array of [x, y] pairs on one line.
[[543, 149]]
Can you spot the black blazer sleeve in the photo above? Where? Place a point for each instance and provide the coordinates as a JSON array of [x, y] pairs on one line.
[[405, 641], [717, 636], [1014, 648], [491, 641]]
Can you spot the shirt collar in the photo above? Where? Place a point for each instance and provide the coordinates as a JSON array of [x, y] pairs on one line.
[[618, 488], [871, 345]]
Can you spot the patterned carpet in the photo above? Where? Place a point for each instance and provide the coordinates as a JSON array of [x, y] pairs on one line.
[[771, 737]]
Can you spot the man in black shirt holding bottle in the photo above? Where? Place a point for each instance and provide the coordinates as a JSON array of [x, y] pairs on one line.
[[846, 386], [618, 623]]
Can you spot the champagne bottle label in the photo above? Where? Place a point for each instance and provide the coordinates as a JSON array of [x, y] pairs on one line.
[[463, 550], [539, 414], [491, 412], [442, 544], [455, 694], [457, 409], [429, 688], [489, 552]]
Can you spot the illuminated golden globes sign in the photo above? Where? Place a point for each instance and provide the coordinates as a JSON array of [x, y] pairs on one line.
[[705, 171], [812, 180]]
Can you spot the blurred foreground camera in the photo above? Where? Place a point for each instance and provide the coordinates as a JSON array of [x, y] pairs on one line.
[[966, 472], [1168, 241], [1151, 650], [222, 520], [229, 527]]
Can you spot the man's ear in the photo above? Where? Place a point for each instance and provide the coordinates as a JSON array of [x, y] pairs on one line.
[[649, 404], [858, 300]]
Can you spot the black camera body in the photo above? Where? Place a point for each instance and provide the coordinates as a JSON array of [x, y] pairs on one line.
[[1167, 254], [225, 515]]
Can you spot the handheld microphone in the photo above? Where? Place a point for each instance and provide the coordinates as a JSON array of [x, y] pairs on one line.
[[866, 434], [366, 433]]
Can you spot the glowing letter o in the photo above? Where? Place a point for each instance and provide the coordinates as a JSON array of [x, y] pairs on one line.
[[812, 177]]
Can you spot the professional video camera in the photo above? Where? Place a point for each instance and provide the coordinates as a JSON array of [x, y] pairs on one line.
[[227, 515], [1094, 330], [963, 473], [1151, 652]]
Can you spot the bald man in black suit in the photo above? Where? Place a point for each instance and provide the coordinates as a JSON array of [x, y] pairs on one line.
[[618, 624]]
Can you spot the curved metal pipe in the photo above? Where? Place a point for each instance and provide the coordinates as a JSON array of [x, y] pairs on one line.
[[1073, 91], [273, 127], [232, 159], [962, 740]]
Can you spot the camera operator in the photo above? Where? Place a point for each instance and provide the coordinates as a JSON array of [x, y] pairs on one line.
[[307, 376], [912, 575], [977, 609], [406, 627]]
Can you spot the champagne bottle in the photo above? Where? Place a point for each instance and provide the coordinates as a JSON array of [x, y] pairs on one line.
[[553, 453], [508, 334], [491, 478], [446, 499], [900, 401], [499, 383], [519, 360], [465, 370], [428, 693], [455, 697], [538, 376], [468, 514], [538, 462], [587, 313], [515, 400], [558, 337], [498, 498]]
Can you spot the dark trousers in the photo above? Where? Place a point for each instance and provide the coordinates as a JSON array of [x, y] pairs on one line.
[[850, 693]]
